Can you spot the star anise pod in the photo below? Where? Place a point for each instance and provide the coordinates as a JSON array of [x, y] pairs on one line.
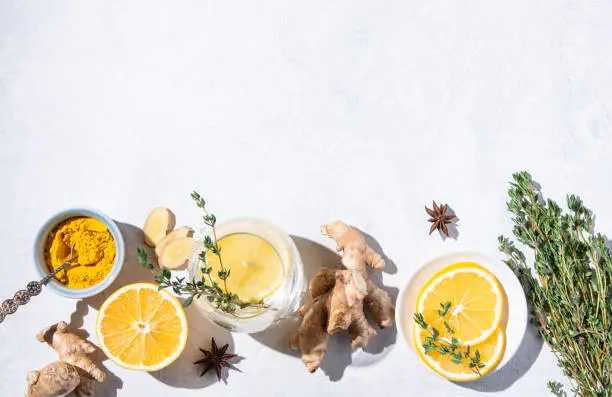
[[216, 358], [439, 218]]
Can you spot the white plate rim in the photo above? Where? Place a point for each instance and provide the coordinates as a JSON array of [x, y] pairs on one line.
[[517, 303]]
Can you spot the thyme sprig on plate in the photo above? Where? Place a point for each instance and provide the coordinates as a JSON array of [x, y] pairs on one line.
[[571, 288], [207, 287], [460, 353]]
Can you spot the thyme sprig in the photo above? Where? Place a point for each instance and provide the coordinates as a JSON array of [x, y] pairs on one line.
[[460, 353], [207, 287], [571, 289]]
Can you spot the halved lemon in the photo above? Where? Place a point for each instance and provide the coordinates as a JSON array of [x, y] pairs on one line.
[[476, 301], [141, 328], [491, 352]]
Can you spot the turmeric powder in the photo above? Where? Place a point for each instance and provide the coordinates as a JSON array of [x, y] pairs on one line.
[[93, 248]]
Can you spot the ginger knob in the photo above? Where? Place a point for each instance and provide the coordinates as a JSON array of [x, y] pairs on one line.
[[177, 253], [158, 224], [183, 231], [340, 296], [55, 379], [75, 371]]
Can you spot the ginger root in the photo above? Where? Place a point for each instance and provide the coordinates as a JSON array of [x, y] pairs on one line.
[[339, 297], [183, 231], [158, 224], [75, 372], [176, 253], [173, 248], [55, 379]]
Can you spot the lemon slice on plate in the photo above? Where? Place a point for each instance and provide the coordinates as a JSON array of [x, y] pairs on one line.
[[476, 299], [491, 352], [141, 328]]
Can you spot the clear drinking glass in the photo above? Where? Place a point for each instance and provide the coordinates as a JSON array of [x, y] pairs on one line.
[[282, 303]]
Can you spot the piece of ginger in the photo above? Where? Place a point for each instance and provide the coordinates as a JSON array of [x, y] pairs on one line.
[[339, 297], [183, 231], [76, 371], [177, 253], [55, 379], [158, 224]]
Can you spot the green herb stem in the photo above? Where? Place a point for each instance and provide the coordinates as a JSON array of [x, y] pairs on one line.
[[570, 290], [459, 352], [206, 287]]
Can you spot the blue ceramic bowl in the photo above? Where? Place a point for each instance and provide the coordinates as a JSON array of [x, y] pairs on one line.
[[39, 252]]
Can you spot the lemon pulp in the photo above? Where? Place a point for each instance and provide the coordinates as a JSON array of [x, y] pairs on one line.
[[475, 296], [256, 269], [477, 305], [141, 328]]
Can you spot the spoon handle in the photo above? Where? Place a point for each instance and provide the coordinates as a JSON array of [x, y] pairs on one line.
[[59, 269], [10, 306]]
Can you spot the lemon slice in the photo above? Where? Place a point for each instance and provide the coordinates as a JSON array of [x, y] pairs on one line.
[[256, 269], [476, 301], [491, 352], [141, 328]]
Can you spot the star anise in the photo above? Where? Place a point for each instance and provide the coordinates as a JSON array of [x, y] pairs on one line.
[[216, 358], [439, 218]]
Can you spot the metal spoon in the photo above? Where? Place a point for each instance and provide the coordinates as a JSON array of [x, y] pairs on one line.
[[33, 288]]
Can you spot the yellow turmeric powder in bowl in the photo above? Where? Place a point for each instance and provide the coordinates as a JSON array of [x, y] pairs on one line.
[[93, 248]]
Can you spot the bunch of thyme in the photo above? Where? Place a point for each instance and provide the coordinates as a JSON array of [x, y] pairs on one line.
[[571, 290], [219, 296], [460, 353]]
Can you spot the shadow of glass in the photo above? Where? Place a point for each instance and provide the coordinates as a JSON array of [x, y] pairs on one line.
[[314, 256], [339, 352], [183, 373]]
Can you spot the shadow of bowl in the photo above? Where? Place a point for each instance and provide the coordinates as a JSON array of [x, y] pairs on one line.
[[132, 272]]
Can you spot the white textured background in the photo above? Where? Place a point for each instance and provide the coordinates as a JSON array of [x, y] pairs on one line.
[[299, 113]]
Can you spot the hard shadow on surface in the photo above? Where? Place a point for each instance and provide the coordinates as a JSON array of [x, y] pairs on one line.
[[519, 364], [314, 256], [112, 383], [183, 373], [338, 356], [453, 227], [526, 355], [390, 266], [386, 337], [132, 271], [339, 352], [381, 343]]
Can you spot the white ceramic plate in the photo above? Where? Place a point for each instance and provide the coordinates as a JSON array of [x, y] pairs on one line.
[[515, 316]]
